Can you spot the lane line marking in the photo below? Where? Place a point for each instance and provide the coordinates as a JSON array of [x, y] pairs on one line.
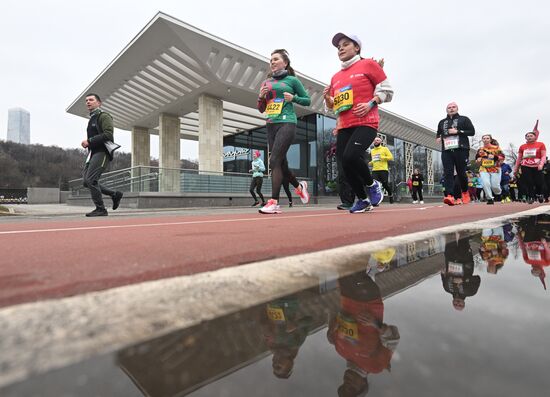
[[266, 217]]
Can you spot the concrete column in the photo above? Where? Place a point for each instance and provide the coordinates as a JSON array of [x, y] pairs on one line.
[[210, 134], [141, 156], [169, 153]]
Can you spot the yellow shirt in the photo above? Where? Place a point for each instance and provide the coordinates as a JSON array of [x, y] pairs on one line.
[[380, 156]]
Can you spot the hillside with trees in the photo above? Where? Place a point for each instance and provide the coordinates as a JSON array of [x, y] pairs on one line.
[[23, 166]]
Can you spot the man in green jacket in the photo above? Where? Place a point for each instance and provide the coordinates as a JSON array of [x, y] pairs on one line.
[[100, 144]]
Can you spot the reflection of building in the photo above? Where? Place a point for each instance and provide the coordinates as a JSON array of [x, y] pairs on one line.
[[19, 126], [179, 82]]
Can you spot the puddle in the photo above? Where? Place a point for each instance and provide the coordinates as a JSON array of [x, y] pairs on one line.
[[463, 314]]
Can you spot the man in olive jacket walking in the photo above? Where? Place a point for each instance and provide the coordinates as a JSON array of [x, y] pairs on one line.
[[100, 145]]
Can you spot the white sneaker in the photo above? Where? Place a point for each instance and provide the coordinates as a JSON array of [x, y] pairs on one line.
[[415, 202], [270, 208], [302, 193], [421, 202]]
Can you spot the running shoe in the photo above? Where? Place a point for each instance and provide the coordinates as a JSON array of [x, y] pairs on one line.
[[540, 197], [270, 208], [302, 193], [458, 201], [449, 200], [376, 195], [255, 203], [415, 202], [421, 202], [361, 206], [466, 197], [289, 204], [490, 202], [344, 206]]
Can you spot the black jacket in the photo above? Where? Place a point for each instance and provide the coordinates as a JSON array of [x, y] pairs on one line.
[[462, 124]]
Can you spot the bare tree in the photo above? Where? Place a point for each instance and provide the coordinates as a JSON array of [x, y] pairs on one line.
[[511, 153]]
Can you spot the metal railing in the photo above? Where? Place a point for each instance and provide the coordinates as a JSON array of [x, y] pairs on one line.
[[156, 179]]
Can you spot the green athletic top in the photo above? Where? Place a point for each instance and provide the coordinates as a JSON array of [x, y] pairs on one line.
[[276, 109]]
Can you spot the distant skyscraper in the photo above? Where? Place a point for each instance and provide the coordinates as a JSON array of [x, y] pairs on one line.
[[19, 126]]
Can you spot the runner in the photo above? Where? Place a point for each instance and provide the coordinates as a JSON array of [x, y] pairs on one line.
[[417, 180], [531, 158], [453, 132], [490, 157], [380, 155], [354, 95], [278, 94], [506, 173], [257, 170]]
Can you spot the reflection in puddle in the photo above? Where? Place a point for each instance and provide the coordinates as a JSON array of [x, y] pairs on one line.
[[389, 329]]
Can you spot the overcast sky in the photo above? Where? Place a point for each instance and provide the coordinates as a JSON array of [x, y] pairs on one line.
[[491, 57]]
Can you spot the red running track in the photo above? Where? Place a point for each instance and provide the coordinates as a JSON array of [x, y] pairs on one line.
[[41, 260]]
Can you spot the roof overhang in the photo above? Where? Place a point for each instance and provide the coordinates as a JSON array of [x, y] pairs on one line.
[[169, 64]]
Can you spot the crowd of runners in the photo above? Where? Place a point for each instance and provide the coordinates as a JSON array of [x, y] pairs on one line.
[[353, 96]]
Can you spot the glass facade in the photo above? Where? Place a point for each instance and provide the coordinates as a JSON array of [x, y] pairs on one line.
[[313, 155]]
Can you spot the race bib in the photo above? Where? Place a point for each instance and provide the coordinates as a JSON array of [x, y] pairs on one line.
[[347, 328], [376, 157], [529, 153], [275, 314], [274, 107], [416, 183], [343, 100], [456, 269], [534, 255], [491, 246], [487, 163], [450, 142]]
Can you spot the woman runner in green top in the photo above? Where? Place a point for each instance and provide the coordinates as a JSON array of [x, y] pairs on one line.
[[278, 94]]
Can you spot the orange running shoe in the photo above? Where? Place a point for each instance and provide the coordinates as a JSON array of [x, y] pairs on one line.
[[465, 197], [458, 202], [449, 200]]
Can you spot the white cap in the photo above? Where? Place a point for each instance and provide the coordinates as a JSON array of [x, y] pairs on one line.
[[339, 36]]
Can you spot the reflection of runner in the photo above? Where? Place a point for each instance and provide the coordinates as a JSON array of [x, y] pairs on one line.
[[493, 248], [359, 333], [380, 261], [453, 132], [534, 240], [490, 157], [257, 170], [277, 97], [285, 330], [457, 275], [354, 95]]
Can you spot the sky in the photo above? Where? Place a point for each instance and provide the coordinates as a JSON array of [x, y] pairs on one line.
[[491, 57]]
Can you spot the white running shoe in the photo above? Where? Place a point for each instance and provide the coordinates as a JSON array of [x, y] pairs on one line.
[[415, 202], [303, 193], [421, 202], [270, 208]]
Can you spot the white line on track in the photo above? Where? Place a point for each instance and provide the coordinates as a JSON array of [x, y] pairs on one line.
[[137, 225]]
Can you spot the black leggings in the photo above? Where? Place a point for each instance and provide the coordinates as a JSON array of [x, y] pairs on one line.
[[351, 146], [417, 193], [383, 177], [286, 188], [280, 136], [455, 159], [257, 183], [532, 180]]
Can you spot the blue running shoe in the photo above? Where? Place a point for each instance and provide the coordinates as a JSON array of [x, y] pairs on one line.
[[361, 206], [376, 195]]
